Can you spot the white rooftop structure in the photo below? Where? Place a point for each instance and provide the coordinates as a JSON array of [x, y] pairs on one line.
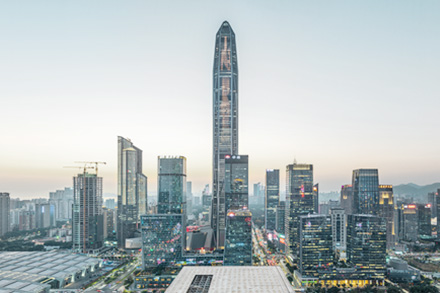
[[58, 269], [237, 279]]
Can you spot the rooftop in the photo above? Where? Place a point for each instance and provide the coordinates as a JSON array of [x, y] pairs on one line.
[[270, 279]]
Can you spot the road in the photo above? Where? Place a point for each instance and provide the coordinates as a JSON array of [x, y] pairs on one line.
[[116, 285]]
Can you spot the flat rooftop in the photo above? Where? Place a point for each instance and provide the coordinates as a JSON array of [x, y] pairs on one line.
[[270, 279]]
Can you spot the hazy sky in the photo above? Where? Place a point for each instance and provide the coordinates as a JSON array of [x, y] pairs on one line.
[[339, 84]]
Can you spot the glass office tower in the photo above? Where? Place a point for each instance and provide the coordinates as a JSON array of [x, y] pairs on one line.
[[132, 190], [366, 245], [272, 198], [162, 239], [315, 247], [346, 198], [301, 201], [386, 210], [225, 119], [238, 246], [365, 191], [236, 182], [172, 185]]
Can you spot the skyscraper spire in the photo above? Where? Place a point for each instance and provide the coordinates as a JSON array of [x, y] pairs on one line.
[[225, 121]]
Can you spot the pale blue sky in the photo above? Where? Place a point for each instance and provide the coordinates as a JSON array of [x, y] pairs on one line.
[[339, 84]]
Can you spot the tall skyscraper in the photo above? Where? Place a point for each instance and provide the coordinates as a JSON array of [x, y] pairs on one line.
[[132, 190], [87, 222], [238, 246], [225, 116], [386, 210], [171, 185], [346, 198], [366, 245], [300, 197], [365, 191], [5, 210], [272, 198]]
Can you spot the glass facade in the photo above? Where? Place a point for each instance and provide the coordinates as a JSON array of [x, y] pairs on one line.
[[301, 199], [171, 185], [238, 244], [386, 210], [365, 184], [87, 222], [132, 190], [424, 220], [162, 239], [280, 225], [366, 244], [316, 251], [346, 198], [225, 118], [272, 198]]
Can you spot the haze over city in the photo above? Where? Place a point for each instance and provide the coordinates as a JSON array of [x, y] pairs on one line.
[[341, 85]]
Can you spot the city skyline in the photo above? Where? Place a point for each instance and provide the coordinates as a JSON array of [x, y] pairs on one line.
[[338, 103]]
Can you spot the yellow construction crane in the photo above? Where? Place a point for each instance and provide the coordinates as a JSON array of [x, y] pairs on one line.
[[88, 163]]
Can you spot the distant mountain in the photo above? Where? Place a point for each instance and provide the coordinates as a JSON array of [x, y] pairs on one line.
[[414, 190]]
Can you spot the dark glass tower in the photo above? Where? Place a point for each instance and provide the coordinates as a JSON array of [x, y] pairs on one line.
[[366, 191], [272, 198], [225, 119], [301, 201]]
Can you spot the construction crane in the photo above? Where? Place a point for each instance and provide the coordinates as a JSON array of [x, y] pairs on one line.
[[86, 163], [84, 168]]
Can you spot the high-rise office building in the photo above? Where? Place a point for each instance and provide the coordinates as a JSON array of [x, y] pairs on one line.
[[233, 190], [365, 191], [408, 223], [271, 199], [162, 239], [424, 220], [189, 197], [315, 249], [171, 185], [236, 183], [432, 200], [5, 210], [280, 225], [225, 116], [301, 200], [109, 225], [346, 199], [386, 210], [339, 228], [366, 245], [238, 246], [87, 221], [132, 190]]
